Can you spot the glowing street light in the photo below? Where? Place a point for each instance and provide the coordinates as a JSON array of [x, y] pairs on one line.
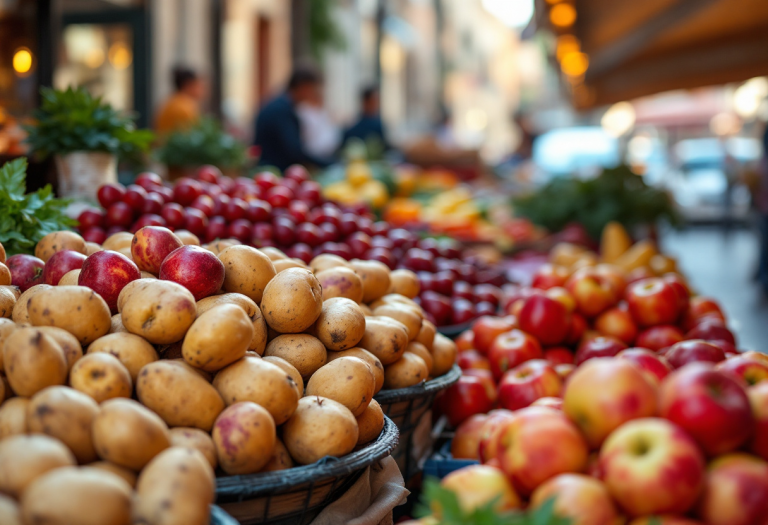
[[562, 15], [22, 61]]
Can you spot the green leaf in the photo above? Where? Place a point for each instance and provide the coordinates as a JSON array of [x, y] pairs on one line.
[[206, 143], [12, 177]]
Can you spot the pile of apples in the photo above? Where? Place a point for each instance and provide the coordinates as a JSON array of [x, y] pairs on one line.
[[290, 213]]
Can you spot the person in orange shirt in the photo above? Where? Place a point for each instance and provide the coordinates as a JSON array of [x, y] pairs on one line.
[[182, 110]]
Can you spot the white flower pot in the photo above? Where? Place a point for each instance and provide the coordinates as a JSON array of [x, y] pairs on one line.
[[82, 172]]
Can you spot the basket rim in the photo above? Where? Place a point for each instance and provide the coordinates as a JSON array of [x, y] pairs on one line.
[[454, 330], [434, 385], [251, 486]]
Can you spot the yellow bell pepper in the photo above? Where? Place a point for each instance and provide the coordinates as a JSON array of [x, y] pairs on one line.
[[640, 254], [358, 173], [614, 242]]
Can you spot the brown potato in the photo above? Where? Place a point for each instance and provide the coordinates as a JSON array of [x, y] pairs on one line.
[[101, 376], [197, 439], [407, 371], [245, 437], [246, 271], [292, 301], [347, 380], [10, 513], [219, 246], [92, 247], [180, 361], [147, 275], [273, 253], [281, 459], [127, 251], [58, 241], [370, 423], [77, 309], [130, 288], [256, 380], [404, 282], [421, 351], [161, 313], [341, 282], [86, 496], [178, 395], [13, 417], [375, 276], [176, 488], [131, 350], [426, 334], [33, 361], [116, 325], [307, 353], [376, 367], [366, 309], [69, 278], [217, 338], [2, 253], [259, 340], [128, 476], [7, 302], [69, 344], [341, 324], [289, 369], [284, 264], [187, 237], [327, 261], [444, 353], [320, 427], [402, 313], [23, 458], [5, 275], [15, 290], [67, 415], [396, 298], [20, 312], [385, 338], [6, 327], [117, 241], [128, 434]]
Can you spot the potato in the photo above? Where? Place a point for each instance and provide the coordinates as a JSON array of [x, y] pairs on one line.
[[292, 301], [273, 253], [370, 423], [246, 271], [320, 427], [147, 275], [259, 340], [26, 457], [20, 312], [86, 496], [327, 261], [341, 282], [127, 251], [161, 313], [202, 373], [187, 237], [289, 369], [426, 334], [256, 380], [305, 352], [10, 513], [396, 298], [7, 302], [58, 241], [197, 439], [375, 277], [116, 325], [178, 395], [2, 253], [385, 338], [284, 264], [421, 351], [77, 309], [128, 434], [131, 350], [5, 275], [15, 290], [341, 324], [348, 380], [129, 289], [33, 361], [444, 353], [101, 376], [67, 415], [402, 313], [68, 343], [117, 241], [366, 309], [69, 278], [217, 338], [5, 389], [404, 282], [13, 417], [244, 435], [280, 460], [407, 371], [92, 247], [128, 476], [376, 367], [219, 246], [6, 327], [176, 488]]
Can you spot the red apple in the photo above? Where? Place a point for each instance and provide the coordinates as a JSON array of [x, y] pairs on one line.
[[758, 399], [209, 173], [528, 382], [600, 346], [699, 307], [564, 370], [711, 329], [735, 491], [665, 519], [61, 263], [186, 191], [119, 214], [549, 276], [439, 306], [195, 268], [655, 366], [558, 355], [90, 218], [651, 466], [466, 341], [578, 327], [489, 433], [134, 197], [581, 498], [604, 393], [511, 349], [151, 245], [462, 311], [487, 328], [465, 398], [26, 271], [749, 371], [95, 234], [593, 292], [106, 273], [657, 337], [550, 402], [618, 323], [108, 194], [615, 275], [174, 215], [486, 377], [681, 288], [710, 405], [478, 486], [653, 302], [546, 319], [466, 439], [692, 351]]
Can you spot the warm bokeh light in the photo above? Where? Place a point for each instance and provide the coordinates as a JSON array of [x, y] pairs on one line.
[[748, 97], [619, 119], [94, 57], [562, 15], [574, 64], [513, 13], [391, 56], [120, 55], [22, 61], [724, 124], [567, 44]]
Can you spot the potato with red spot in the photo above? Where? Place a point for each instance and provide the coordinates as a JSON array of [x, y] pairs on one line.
[[341, 282], [245, 436]]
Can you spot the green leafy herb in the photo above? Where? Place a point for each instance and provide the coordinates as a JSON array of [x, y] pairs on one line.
[[25, 219], [73, 120], [205, 143]]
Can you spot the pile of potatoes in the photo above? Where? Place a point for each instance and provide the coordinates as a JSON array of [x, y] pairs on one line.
[[277, 369]]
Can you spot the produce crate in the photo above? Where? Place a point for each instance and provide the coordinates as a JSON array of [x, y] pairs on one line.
[[442, 462], [296, 496], [406, 407]]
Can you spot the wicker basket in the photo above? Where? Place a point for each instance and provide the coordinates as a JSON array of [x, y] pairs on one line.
[[219, 517], [296, 496], [406, 407]]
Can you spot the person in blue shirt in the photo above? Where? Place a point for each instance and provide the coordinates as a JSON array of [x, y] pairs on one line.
[[369, 126], [277, 130]]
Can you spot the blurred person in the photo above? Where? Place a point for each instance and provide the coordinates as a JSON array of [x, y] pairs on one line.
[[278, 129], [182, 110], [320, 135], [369, 126]]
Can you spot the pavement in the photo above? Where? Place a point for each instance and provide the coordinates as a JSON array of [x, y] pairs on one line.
[[722, 265]]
